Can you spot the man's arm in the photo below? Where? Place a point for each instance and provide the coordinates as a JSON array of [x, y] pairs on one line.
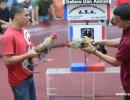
[[32, 14], [11, 60], [4, 22], [36, 13], [111, 43], [108, 59], [5, 25], [53, 11], [10, 21], [32, 11]]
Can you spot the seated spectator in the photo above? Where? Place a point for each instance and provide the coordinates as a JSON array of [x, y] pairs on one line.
[[5, 22], [30, 4], [10, 3], [41, 10], [59, 9]]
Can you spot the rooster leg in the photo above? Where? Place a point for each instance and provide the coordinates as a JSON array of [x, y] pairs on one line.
[[41, 56], [48, 51], [87, 60], [45, 60]]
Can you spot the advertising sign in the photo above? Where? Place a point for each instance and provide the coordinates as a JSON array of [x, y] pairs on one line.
[[87, 12], [85, 1]]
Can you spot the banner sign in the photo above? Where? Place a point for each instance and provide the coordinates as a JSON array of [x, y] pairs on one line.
[[86, 1], [87, 12], [95, 32]]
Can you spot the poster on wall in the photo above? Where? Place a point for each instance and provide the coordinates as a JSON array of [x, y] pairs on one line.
[[87, 12], [89, 32], [95, 32]]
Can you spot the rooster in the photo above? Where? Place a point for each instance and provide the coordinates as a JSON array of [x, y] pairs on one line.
[[44, 48], [82, 43]]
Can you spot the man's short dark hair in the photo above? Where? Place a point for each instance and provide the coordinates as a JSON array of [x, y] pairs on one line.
[[2, 1], [123, 10], [17, 8]]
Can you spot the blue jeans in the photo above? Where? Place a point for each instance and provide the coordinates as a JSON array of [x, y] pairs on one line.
[[43, 18], [26, 90], [52, 18]]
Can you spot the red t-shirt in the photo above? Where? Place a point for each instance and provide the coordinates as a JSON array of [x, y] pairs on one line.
[[118, 2], [16, 42], [123, 54]]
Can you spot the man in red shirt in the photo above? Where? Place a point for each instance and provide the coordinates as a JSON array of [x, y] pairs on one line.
[[16, 45], [122, 57]]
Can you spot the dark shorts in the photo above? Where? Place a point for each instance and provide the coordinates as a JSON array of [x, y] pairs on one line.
[[127, 96], [0, 26], [1, 30]]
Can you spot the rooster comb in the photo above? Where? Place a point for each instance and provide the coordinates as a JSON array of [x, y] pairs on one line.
[[66, 43], [55, 34]]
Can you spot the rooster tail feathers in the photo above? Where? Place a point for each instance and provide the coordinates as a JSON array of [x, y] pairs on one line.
[[103, 49]]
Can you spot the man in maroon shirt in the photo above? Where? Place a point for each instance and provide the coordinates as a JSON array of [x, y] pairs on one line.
[[122, 57]]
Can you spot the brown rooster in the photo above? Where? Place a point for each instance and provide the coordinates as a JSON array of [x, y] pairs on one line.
[[44, 48], [82, 43]]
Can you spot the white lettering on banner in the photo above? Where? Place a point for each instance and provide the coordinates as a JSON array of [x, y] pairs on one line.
[[86, 11], [85, 1], [101, 1], [73, 1]]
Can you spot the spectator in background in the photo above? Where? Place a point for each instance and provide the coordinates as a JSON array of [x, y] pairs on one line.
[[5, 22], [10, 3], [59, 9], [42, 10], [117, 3], [30, 4]]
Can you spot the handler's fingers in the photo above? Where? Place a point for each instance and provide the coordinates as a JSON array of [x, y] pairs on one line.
[[88, 43], [83, 49], [94, 43], [32, 48]]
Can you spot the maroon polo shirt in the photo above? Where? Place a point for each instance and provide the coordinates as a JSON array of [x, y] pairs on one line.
[[123, 54]]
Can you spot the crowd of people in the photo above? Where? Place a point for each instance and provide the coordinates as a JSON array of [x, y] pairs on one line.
[[40, 10]]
